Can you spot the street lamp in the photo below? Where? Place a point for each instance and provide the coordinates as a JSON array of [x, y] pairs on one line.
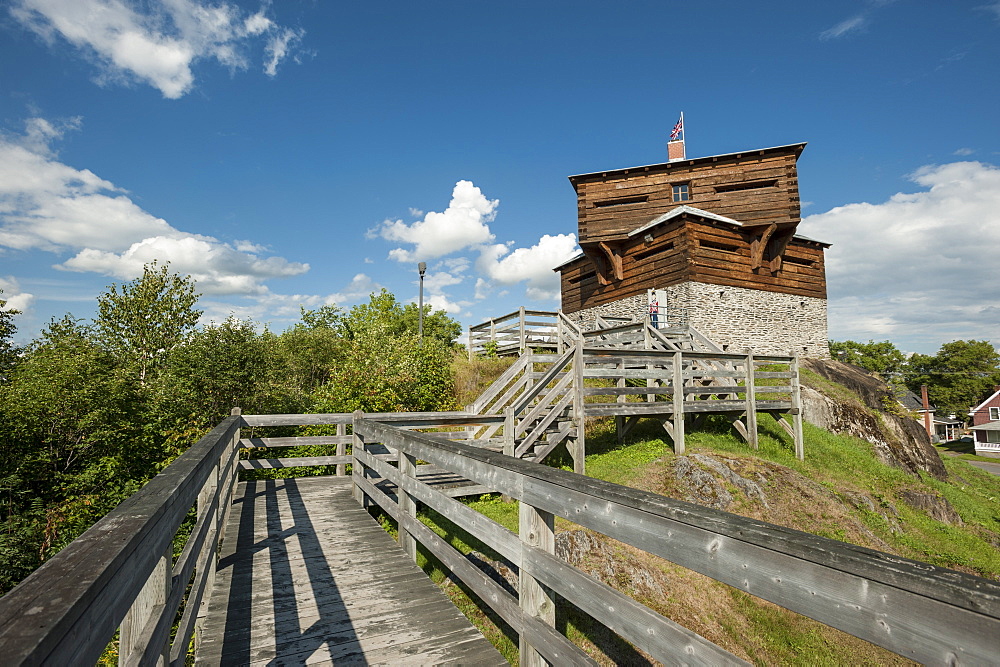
[[422, 268]]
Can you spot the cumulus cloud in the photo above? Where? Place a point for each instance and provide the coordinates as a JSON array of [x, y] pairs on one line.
[[919, 264], [532, 265], [51, 206], [465, 223], [158, 43], [964, 152], [10, 291]]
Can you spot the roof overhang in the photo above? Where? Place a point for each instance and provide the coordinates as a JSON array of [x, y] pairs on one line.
[[796, 149]]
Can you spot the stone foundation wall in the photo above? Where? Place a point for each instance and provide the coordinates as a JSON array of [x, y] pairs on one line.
[[737, 317]]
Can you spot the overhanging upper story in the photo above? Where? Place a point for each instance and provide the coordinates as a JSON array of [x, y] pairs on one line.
[[750, 186]]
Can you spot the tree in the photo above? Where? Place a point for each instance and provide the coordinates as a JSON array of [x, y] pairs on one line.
[[309, 349], [959, 376], [8, 352], [142, 321], [214, 370], [882, 357], [385, 311]]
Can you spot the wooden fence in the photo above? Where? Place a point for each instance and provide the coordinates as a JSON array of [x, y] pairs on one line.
[[122, 573], [922, 612]]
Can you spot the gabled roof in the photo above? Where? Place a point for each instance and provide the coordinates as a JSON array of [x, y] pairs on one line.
[[988, 426], [680, 210], [988, 399]]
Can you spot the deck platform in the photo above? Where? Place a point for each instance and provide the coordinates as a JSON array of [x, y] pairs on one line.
[[306, 576]]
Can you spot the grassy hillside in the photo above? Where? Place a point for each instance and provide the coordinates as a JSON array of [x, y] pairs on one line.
[[841, 491]]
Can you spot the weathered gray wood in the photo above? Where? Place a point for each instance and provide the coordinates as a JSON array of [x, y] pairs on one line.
[[751, 396], [881, 598], [537, 531], [293, 462], [247, 443], [662, 638], [677, 430], [407, 503], [797, 410], [330, 586]]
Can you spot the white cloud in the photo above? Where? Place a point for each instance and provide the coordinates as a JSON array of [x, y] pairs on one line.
[[157, 43], [12, 294], [442, 302], [533, 265], [919, 264], [465, 223], [845, 27], [50, 206], [217, 267], [964, 152]]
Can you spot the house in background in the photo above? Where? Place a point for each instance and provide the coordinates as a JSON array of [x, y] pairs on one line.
[[941, 429], [986, 425]]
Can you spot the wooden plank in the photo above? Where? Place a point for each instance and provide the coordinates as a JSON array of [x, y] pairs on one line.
[[246, 443], [657, 635]]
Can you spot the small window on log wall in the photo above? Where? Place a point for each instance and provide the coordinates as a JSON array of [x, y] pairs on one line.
[[718, 246], [583, 276], [750, 185], [645, 254], [681, 192], [621, 202], [800, 261]]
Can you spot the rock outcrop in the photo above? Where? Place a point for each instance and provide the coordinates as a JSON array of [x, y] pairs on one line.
[[870, 412]]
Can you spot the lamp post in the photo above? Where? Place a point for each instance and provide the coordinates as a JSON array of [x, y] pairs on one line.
[[422, 268]]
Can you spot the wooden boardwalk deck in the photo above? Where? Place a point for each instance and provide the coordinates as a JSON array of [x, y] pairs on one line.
[[306, 576]]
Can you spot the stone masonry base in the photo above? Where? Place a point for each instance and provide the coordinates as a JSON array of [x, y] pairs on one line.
[[734, 317]]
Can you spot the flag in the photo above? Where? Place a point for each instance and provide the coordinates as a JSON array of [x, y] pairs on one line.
[[678, 128]]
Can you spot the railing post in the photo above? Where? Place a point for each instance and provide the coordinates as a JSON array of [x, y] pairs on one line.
[[357, 469], [470, 343], [146, 605], [509, 444], [580, 448], [341, 449], [797, 408], [751, 398], [678, 394], [407, 503], [523, 342], [536, 529]]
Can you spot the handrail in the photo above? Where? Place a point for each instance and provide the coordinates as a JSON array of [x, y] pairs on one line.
[[121, 570], [917, 610]]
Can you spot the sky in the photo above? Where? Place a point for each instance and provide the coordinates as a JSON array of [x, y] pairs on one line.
[[304, 152]]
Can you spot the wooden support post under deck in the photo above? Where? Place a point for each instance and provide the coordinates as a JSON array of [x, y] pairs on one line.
[[751, 397], [509, 444], [579, 451], [407, 505], [536, 529], [678, 394], [620, 419], [797, 409]]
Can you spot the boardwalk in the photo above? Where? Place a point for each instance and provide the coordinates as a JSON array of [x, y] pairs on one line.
[[308, 577]]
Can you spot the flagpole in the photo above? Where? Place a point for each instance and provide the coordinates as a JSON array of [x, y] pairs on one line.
[[683, 136]]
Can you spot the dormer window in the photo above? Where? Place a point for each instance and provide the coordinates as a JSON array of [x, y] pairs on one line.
[[681, 192]]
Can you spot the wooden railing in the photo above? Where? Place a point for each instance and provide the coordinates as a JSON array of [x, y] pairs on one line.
[[922, 612], [523, 330], [121, 573]]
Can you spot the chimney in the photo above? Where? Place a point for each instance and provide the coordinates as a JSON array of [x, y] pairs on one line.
[[675, 150]]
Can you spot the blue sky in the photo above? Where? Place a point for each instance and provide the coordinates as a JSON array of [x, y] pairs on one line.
[[305, 152]]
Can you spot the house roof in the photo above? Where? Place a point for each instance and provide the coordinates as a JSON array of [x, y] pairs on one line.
[[910, 400], [988, 399], [667, 166], [988, 426]]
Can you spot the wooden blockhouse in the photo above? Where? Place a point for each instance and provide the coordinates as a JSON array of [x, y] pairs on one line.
[[713, 239]]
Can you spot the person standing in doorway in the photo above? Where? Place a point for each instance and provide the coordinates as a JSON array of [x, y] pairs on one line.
[[654, 312]]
